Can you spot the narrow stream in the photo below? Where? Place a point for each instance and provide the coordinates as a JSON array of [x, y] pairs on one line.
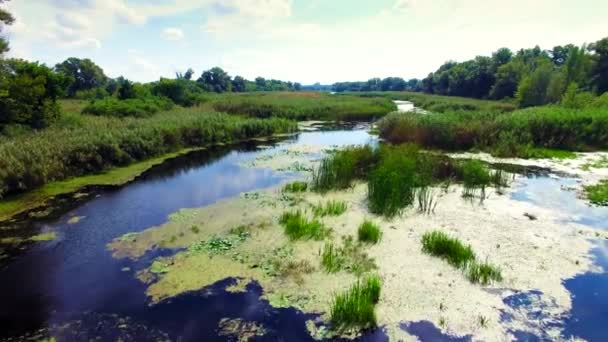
[[74, 282]]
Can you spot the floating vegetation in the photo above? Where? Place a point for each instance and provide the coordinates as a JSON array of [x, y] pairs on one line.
[[598, 164], [369, 232], [240, 330], [182, 216], [598, 194], [295, 187], [297, 227], [129, 237], [159, 267], [195, 229], [350, 257], [330, 208], [219, 245], [43, 237], [457, 254], [354, 310]]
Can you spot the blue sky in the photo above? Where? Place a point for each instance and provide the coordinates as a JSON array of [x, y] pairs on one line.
[[299, 40]]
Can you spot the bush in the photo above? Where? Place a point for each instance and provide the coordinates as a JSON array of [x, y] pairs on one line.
[[138, 108], [369, 232], [182, 92]]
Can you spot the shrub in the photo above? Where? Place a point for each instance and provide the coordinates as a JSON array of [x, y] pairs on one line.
[[445, 247], [297, 227], [369, 232], [355, 308]]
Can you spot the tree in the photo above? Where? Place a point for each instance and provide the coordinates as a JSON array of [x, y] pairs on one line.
[[84, 74], [238, 84], [260, 83], [29, 93], [532, 90], [507, 78], [185, 76], [600, 70], [216, 80], [502, 56], [297, 86], [5, 19], [126, 89]]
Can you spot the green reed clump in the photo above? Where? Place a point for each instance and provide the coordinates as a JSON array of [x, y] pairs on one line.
[[475, 177], [338, 170], [298, 227], [392, 184], [94, 143], [441, 245], [354, 310], [349, 257], [483, 273], [598, 194], [427, 200], [369, 232], [295, 187], [330, 208]]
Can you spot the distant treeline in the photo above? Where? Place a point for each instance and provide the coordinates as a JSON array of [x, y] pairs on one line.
[[531, 76]]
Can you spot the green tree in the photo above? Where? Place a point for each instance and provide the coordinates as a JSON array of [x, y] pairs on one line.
[[126, 89], [507, 79], [84, 74], [600, 70], [502, 56], [29, 93], [532, 90], [238, 84], [5, 19], [216, 80], [185, 76], [556, 87]]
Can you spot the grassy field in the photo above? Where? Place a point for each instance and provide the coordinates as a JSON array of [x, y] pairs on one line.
[[439, 103], [303, 106]]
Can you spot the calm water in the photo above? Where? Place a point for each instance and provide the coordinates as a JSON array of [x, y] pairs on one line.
[[74, 282]]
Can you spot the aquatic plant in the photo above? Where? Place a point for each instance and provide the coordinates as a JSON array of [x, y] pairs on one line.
[[349, 257], [369, 232], [441, 245], [598, 193], [297, 227], [483, 273], [195, 229], [427, 199], [219, 244], [330, 208], [332, 258], [476, 178], [354, 310], [295, 187], [339, 169]]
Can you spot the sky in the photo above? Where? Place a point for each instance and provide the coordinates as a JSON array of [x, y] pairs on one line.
[[303, 41]]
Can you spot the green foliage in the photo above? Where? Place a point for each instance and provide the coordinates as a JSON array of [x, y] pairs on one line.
[[483, 273], [532, 90], [295, 187], [450, 249], [215, 80], [369, 232], [339, 170], [298, 227], [141, 107], [303, 106], [475, 176], [349, 257], [220, 244], [97, 143], [330, 208], [182, 92], [83, 73], [598, 194], [29, 93], [354, 310]]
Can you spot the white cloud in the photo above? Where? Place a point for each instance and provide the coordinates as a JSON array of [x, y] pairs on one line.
[[172, 34]]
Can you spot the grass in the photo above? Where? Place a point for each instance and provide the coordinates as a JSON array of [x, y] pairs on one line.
[[354, 310], [349, 257], [427, 200], [298, 227], [303, 106], [598, 193], [295, 187], [537, 132], [82, 145], [461, 256], [330, 208], [338, 170], [369, 232], [476, 177]]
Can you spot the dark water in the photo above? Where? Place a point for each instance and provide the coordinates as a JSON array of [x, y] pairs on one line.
[[75, 281], [73, 286]]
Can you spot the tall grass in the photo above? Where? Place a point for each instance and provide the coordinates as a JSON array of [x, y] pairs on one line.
[[298, 227], [340, 169], [483, 273], [527, 133], [354, 310], [303, 106], [476, 177], [87, 144], [330, 208], [369, 232], [598, 193]]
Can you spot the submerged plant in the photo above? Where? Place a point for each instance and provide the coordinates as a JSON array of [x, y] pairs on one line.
[[354, 310], [441, 245], [369, 232], [330, 208], [297, 227]]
